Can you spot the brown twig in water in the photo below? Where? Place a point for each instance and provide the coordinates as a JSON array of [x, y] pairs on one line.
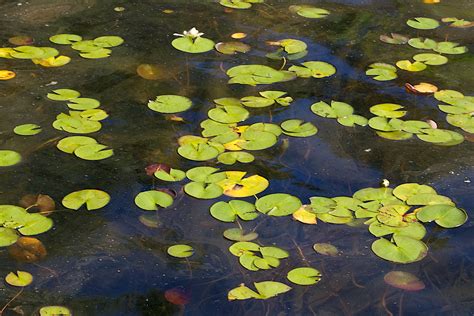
[[400, 304], [13, 298], [355, 282], [384, 303], [189, 268]]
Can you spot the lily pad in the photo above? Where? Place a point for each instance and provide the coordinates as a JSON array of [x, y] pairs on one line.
[[63, 94], [91, 198], [450, 48], [423, 23], [303, 215], [407, 190], [65, 39], [9, 158], [309, 11], [20, 278], [266, 289], [172, 175], [388, 110], [229, 211], [201, 190], [236, 234], [170, 104], [444, 215], [257, 74], [93, 152], [239, 4], [297, 128], [198, 152], [394, 38], [402, 250], [409, 66], [278, 204], [326, 249], [74, 123], [54, 311], [382, 71], [83, 103], [413, 230], [230, 158], [71, 143], [237, 185], [8, 236], [193, 45], [422, 43], [431, 59], [151, 200], [404, 280], [316, 69], [180, 251], [27, 129], [228, 114], [96, 54], [304, 276], [108, 41], [335, 110], [231, 48], [459, 23]]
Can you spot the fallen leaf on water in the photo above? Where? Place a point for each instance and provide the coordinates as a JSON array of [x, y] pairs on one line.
[[21, 40], [304, 216], [27, 249], [148, 72], [7, 74], [404, 280], [421, 88], [151, 169], [43, 204]]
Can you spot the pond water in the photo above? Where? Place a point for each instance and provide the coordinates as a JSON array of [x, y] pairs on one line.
[[107, 262]]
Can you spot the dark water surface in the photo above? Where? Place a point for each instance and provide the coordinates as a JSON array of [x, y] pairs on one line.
[[106, 262]]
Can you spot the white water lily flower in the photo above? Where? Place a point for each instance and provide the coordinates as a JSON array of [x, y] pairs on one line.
[[193, 33]]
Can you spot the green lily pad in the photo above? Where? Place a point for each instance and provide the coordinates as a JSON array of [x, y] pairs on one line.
[[9, 158], [428, 199], [297, 128], [407, 190], [108, 41], [415, 127], [71, 143], [422, 43], [309, 11], [435, 135], [171, 176], [229, 211], [193, 45], [409, 66], [20, 278], [202, 174], [382, 71], [444, 215], [450, 48], [170, 104], [65, 39], [316, 69], [27, 129], [231, 48], [267, 98], [266, 289], [94, 114], [385, 125], [236, 234], [239, 4], [413, 230], [242, 292], [431, 59], [63, 95], [91, 198], [35, 224], [74, 123], [93, 152], [402, 250], [151, 200], [292, 46], [257, 74], [83, 103], [230, 158], [335, 110], [395, 135], [353, 120], [180, 251], [198, 152], [54, 311], [32, 52], [460, 23], [201, 190], [237, 185], [86, 46], [278, 204], [326, 249], [304, 276], [8, 236], [392, 215], [388, 110], [96, 54], [228, 114], [423, 23]]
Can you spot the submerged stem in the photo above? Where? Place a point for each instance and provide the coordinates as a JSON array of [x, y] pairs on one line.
[[12, 299]]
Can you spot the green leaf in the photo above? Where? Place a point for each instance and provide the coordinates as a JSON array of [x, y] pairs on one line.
[[54, 311], [409, 66], [86, 46], [257, 102], [9, 158], [304, 276], [201, 190], [237, 185], [180, 251], [76, 124], [8, 236], [394, 38], [413, 230], [422, 43], [431, 59], [268, 289], [198, 152], [257, 74], [395, 135], [292, 46], [423, 23], [236, 4], [151, 200], [353, 120], [385, 125], [326, 249], [297, 128], [108, 41], [278, 204], [455, 22], [65, 39], [407, 190], [382, 71], [241, 292], [93, 199], [35, 224], [27, 129], [444, 215], [189, 45], [450, 48], [402, 250], [316, 69], [335, 110], [21, 278], [171, 176], [228, 114], [428, 199], [170, 104], [201, 174], [229, 211], [71, 143], [274, 252], [230, 158], [231, 48], [83, 104], [435, 135], [236, 234], [309, 11], [388, 110], [63, 95], [243, 247], [93, 152], [97, 54]]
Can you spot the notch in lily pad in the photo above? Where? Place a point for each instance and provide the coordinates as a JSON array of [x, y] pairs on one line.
[[265, 289], [304, 276], [92, 199]]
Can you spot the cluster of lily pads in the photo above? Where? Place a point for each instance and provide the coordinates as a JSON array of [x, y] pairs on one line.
[[239, 4], [422, 23], [16, 221], [91, 49], [289, 48], [84, 147], [460, 109], [387, 123], [44, 56]]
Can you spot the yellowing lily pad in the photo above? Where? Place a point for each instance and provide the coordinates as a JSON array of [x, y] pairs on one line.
[[20, 278], [9, 158], [235, 185]]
